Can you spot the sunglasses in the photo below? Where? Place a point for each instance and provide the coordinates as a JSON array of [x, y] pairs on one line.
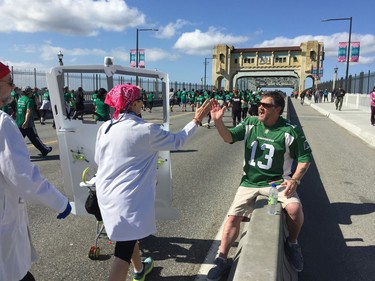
[[9, 82], [267, 105]]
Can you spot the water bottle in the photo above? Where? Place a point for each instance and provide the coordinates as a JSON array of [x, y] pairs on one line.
[[272, 199]]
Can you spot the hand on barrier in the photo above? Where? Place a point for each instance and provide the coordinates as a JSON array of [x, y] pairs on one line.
[[66, 212]]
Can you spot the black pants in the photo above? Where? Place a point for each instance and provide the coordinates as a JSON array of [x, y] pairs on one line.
[[338, 102], [244, 112], [28, 277], [35, 140], [236, 114], [373, 115]]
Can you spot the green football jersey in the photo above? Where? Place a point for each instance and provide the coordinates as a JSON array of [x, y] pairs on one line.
[[270, 151]]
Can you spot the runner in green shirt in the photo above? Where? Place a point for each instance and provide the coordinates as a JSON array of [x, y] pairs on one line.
[[45, 107], [101, 108], [25, 121], [67, 98], [192, 99], [183, 97], [150, 101], [13, 104]]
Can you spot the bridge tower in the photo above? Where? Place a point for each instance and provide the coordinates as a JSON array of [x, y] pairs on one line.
[[267, 67]]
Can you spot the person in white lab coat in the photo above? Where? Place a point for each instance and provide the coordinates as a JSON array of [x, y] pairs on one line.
[[19, 180], [126, 154]]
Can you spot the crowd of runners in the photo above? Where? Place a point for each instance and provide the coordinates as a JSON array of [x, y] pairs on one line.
[[241, 102]]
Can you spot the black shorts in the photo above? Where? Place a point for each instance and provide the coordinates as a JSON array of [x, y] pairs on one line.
[[124, 250]]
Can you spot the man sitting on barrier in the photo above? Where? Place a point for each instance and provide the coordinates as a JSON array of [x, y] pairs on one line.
[[272, 144]]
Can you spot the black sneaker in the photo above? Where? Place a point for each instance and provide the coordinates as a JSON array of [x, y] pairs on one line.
[[220, 268], [294, 254], [48, 151]]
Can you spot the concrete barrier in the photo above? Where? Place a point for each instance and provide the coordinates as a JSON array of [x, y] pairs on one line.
[[260, 255]]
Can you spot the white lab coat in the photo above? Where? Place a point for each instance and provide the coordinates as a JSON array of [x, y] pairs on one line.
[[126, 178], [19, 180]]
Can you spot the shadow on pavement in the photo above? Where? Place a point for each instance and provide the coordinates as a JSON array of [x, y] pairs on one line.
[[181, 250], [326, 254]]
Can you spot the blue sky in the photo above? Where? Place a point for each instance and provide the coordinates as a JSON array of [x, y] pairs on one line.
[[86, 31]]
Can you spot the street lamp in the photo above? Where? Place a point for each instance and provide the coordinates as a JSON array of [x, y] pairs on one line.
[[334, 77], [60, 57], [348, 52], [205, 70], [136, 48]]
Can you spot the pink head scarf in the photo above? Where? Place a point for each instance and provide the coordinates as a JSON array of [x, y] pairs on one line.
[[4, 70], [121, 96]]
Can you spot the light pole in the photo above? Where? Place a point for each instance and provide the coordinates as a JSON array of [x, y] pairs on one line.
[[60, 57], [205, 71], [348, 51], [334, 77], [137, 50]]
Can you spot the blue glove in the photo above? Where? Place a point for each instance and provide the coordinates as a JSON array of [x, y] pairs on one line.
[[64, 214]]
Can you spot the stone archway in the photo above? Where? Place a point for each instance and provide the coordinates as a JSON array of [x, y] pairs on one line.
[[299, 62]]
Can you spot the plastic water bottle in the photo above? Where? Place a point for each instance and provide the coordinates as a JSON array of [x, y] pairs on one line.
[[272, 199]]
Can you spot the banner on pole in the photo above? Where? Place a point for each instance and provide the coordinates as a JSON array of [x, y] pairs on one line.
[[314, 71], [321, 72], [355, 52], [141, 58], [343, 46], [132, 58]]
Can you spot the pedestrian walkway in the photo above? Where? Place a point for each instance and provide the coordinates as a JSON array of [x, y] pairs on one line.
[[356, 121]]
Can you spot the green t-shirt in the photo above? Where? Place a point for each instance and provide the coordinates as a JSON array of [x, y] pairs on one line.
[[23, 104], [219, 97], [270, 151], [199, 100], [102, 110], [191, 97], [94, 97], [67, 97], [15, 96], [183, 96], [245, 103], [150, 97], [46, 96]]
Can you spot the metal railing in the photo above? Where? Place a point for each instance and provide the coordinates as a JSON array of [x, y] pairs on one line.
[[357, 84], [91, 82]]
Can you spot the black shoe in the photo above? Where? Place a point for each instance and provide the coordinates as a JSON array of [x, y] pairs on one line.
[[221, 267], [48, 151], [294, 254]]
